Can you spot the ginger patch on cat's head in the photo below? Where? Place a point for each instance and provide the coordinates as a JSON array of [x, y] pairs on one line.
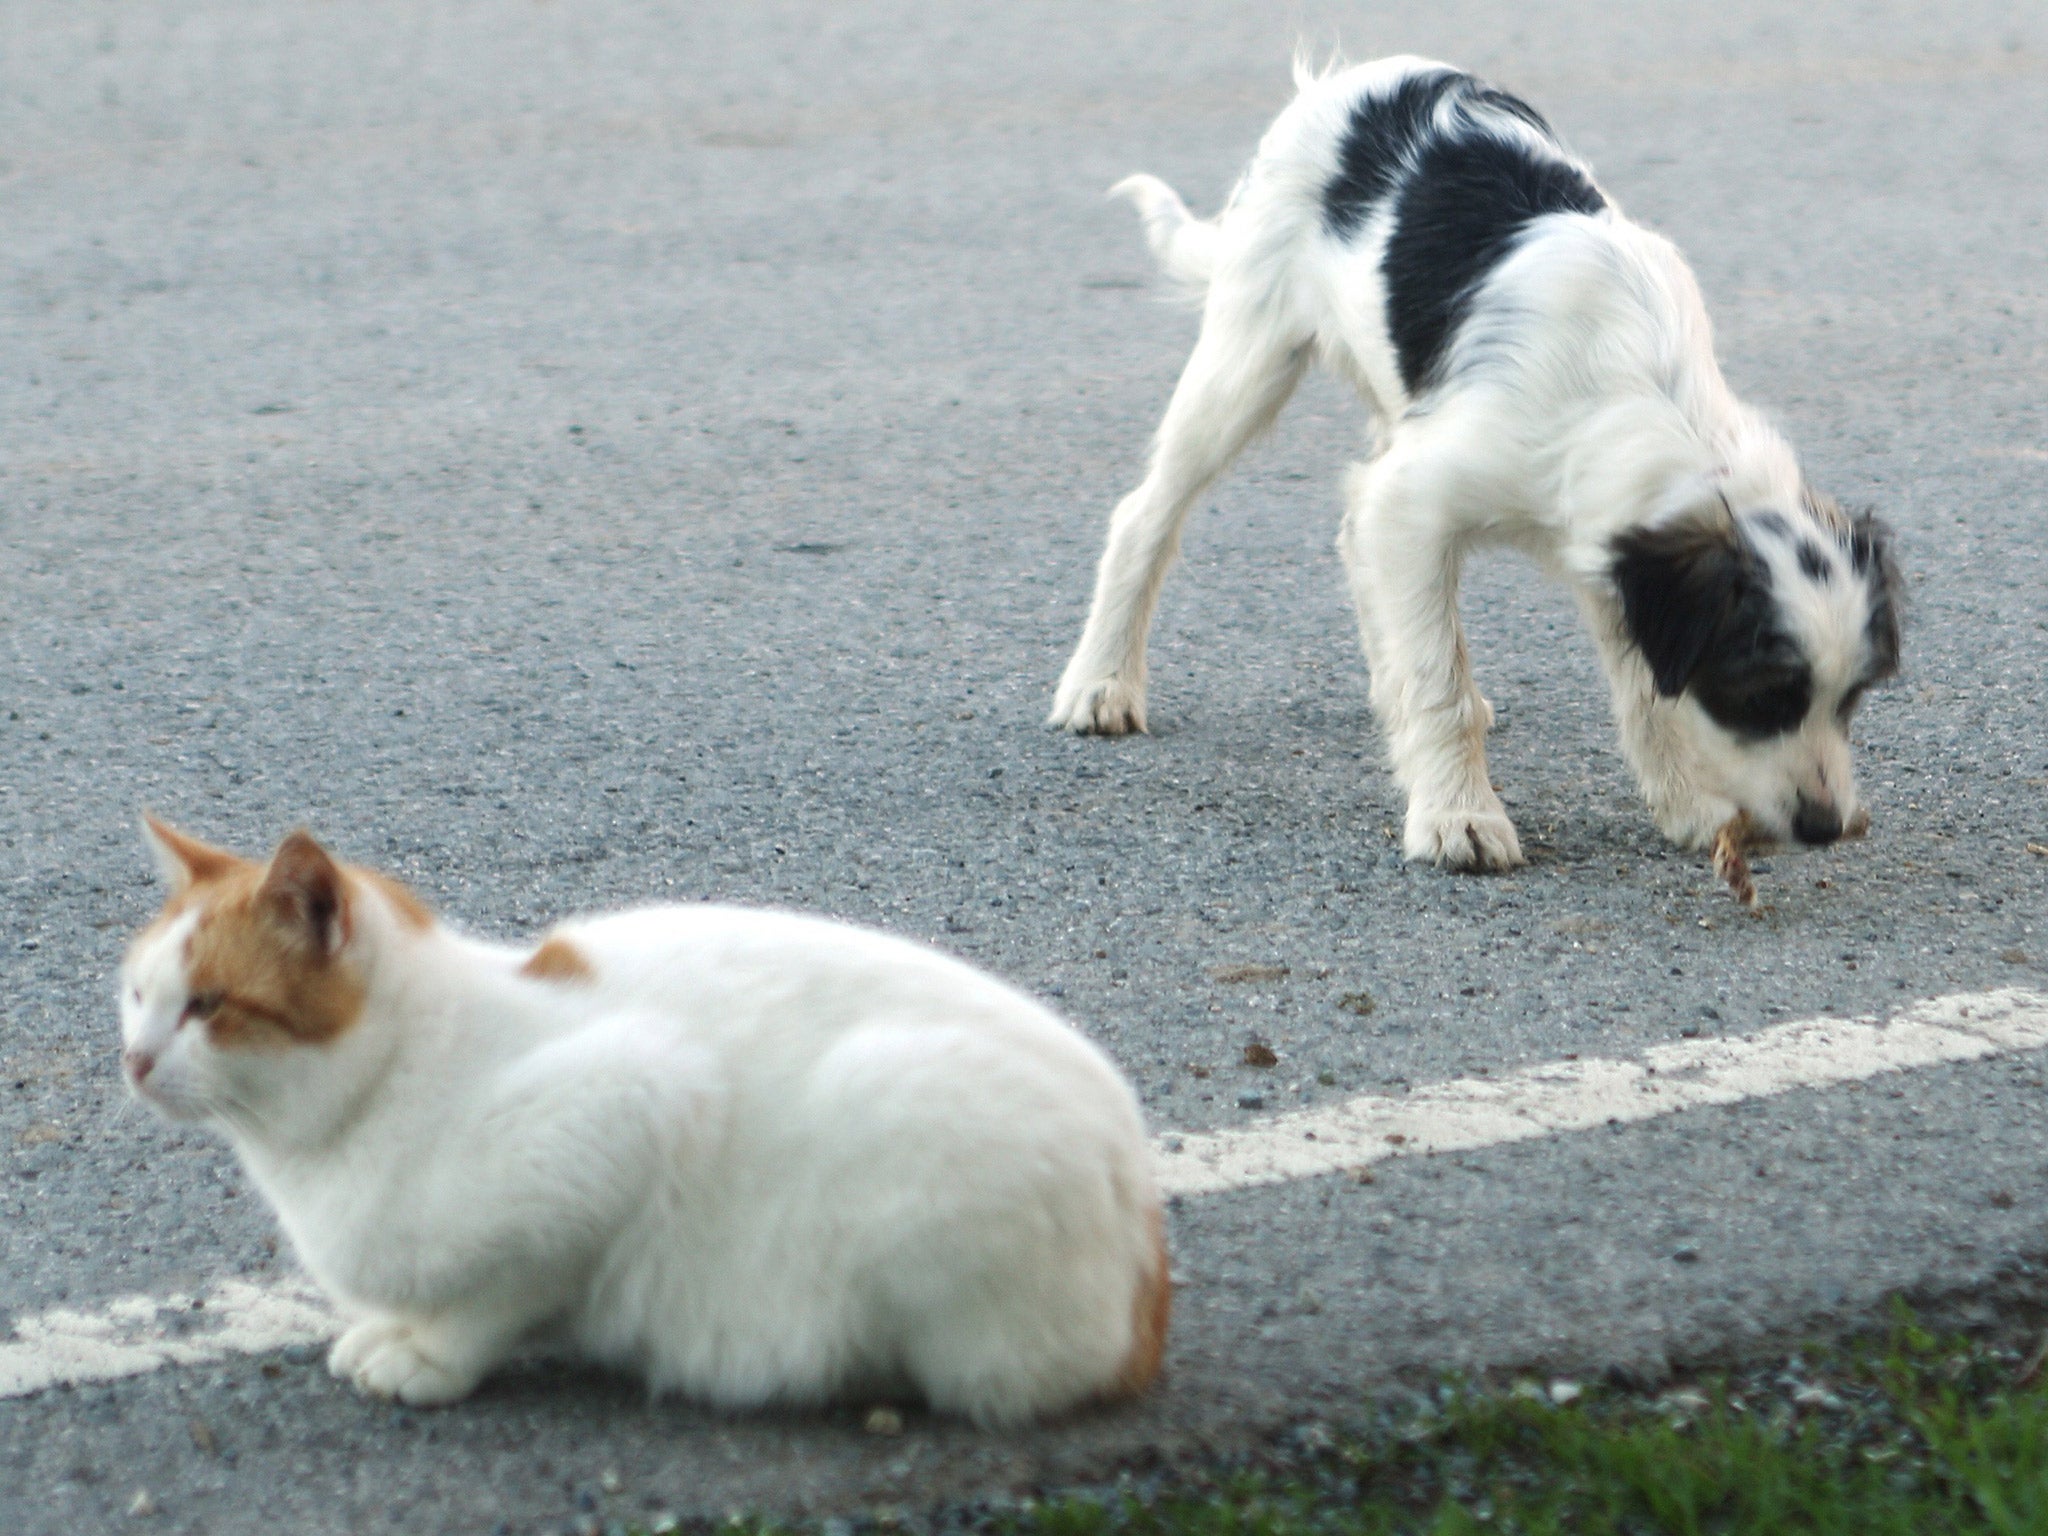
[[263, 959], [558, 960]]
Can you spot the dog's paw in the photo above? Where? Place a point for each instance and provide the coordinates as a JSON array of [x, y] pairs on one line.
[[398, 1369], [1103, 706], [1475, 841], [1696, 824]]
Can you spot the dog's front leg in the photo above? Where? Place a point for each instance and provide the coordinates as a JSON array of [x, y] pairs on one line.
[[1402, 557], [1686, 811]]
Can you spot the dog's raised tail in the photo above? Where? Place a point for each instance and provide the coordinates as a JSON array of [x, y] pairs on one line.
[[1184, 244]]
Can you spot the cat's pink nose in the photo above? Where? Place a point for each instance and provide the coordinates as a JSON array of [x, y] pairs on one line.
[[139, 1063]]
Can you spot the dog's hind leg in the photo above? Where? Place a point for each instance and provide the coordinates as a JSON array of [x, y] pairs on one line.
[[1402, 550], [1241, 372]]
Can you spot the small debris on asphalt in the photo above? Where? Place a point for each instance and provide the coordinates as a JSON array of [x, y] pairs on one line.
[[142, 1506], [1315, 1439], [1232, 974], [1730, 861], [884, 1421], [1360, 1003], [1260, 1054]]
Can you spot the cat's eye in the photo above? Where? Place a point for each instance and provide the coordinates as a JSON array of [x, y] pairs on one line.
[[203, 1005]]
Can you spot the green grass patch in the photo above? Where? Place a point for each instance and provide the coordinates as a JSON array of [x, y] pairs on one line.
[[1911, 1436], [1904, 1434]]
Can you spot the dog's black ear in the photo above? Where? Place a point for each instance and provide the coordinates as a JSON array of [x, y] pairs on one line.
[[1870, 551], [1679, 583]]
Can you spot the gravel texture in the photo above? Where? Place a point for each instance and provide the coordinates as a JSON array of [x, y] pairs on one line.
[[571, 455]]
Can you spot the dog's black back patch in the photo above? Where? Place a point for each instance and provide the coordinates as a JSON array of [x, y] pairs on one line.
[[1378, 142], [1472, 193], [1463, 185]]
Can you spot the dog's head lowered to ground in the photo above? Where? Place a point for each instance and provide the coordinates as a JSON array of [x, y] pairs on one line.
[[1761, 630]]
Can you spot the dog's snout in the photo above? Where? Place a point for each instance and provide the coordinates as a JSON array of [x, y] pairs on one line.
[[1816, 822], [138, 1064]]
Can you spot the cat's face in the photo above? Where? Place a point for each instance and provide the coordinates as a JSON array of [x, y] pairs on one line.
[[231, 997]]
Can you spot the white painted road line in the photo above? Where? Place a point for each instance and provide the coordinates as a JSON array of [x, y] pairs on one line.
[[1563, 1096], [140, 1334]]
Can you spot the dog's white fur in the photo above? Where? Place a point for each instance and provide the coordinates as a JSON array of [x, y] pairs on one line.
[[1579, 400], [758, 1156]]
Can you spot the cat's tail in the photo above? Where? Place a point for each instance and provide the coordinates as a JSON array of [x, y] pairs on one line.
[[1185, 245], [1151, 1311]]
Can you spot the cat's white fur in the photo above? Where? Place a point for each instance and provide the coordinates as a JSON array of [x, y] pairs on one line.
[[758, 1156]]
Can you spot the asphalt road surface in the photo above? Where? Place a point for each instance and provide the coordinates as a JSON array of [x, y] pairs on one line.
[[573, 454]]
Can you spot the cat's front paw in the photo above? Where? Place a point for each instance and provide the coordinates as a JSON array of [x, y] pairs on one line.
[[359, 1342], [399, 1369], [384, 1357]]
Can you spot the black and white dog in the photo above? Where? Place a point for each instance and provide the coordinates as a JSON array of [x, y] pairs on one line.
[[1543, 374]]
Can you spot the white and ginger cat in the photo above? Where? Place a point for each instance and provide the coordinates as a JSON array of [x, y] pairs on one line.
[[759, 1157]]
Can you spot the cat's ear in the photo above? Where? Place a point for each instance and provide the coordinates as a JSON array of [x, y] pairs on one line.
[[185, 861], [305, 891]]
